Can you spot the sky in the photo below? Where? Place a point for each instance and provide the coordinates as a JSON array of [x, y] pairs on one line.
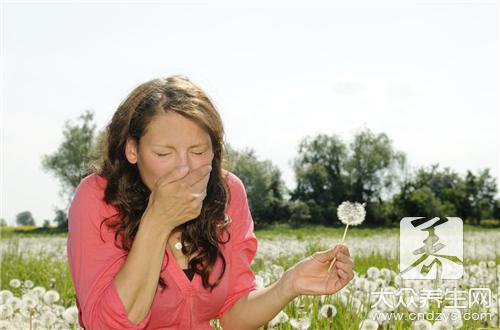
[[426, 74]]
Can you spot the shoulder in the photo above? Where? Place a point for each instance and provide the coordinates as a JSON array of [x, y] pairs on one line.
[[236, 188], [89, 195]]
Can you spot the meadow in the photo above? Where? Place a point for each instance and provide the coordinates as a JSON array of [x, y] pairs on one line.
[[36, 286]]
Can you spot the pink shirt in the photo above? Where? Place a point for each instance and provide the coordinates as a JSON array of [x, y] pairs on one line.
[[183, 304]]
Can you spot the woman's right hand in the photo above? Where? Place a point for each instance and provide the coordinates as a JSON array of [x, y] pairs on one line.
[[177, 196]]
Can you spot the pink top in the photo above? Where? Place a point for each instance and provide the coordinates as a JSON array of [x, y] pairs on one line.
[[183, 304]]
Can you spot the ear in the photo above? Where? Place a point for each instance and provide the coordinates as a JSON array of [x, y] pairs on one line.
[[131, 150]]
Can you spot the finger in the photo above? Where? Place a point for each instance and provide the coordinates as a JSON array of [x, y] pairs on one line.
[[345, 250], [198, 174], [201, 185], [343, 274], [344, 258], [174, 175]]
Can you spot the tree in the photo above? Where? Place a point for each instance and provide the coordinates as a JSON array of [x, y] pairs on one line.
[[61, 219], [319, 171], [25, 219], [70, 163], [374, 167], [263, 184], [3, 223], [46, 223], [480, 190]]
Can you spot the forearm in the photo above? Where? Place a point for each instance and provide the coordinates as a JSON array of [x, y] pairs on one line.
[[137, 280], [260, 306]]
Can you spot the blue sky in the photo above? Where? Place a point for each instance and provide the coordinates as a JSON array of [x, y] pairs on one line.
[[424, 73]]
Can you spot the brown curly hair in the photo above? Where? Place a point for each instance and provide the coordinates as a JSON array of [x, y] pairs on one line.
[[128, 193]]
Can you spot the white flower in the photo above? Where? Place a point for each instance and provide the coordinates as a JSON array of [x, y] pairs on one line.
[[39, 291], [351, 214], [327, 311], [259, 282], [28, 284], [368, 325], [51, 297], [15, 283], [5, 325], [70, 315], [281, 317], [421, 325], [4, 295], [440, 325], [48, 318], [5, 311], [302, 324], [14, 302], [29, 300], [372, 272]]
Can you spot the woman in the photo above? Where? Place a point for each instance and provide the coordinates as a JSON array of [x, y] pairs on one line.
[[161, 236]]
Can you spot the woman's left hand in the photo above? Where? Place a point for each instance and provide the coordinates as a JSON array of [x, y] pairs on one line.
[[310, 276]]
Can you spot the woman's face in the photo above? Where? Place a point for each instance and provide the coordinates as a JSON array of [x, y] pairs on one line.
[[170, 141]]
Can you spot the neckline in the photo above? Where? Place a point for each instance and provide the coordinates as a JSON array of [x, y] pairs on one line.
[[179, 276]]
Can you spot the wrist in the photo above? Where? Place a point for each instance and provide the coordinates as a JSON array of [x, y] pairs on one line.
[[149, 223], [287, 286]]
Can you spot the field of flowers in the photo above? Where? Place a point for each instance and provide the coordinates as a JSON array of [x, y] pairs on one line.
[[36, 286]]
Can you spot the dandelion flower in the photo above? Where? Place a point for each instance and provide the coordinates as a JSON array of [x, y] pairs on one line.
[[29, 300], [350, 214], [48, 318], [421, 325], [302, 323], [368, 325], [15, 283], [14, 302], [440, 325], [4, 295], [373, 272], [327, 311], [6, 311], [5, 325], [28, 284], [70, 315], [51, 297], [281, 317]]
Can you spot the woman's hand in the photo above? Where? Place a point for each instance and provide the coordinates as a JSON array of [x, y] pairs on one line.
[[310, 276], [177, 197]]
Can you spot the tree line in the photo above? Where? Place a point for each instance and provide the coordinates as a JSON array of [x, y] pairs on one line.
[[328, 171]]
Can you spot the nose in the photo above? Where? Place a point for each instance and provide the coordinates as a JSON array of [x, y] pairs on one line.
[[184, 160]]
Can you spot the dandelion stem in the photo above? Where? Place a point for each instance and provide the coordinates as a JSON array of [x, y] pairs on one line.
[[341, 242]]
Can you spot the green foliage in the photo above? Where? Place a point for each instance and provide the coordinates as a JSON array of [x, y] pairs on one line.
[[25, 219], [263, 184], [70, 163]]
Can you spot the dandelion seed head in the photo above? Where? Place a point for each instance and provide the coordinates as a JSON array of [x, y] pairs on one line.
[[14, 302], [28, 284], [421, 325], [29, 300], [6, 311], [327, 311], [351, 214], [301, 323], [4, 295], [15, 283], [441, 325], [48, 318], [51, 297], [70, 315], [6, 325], [368, 325]]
